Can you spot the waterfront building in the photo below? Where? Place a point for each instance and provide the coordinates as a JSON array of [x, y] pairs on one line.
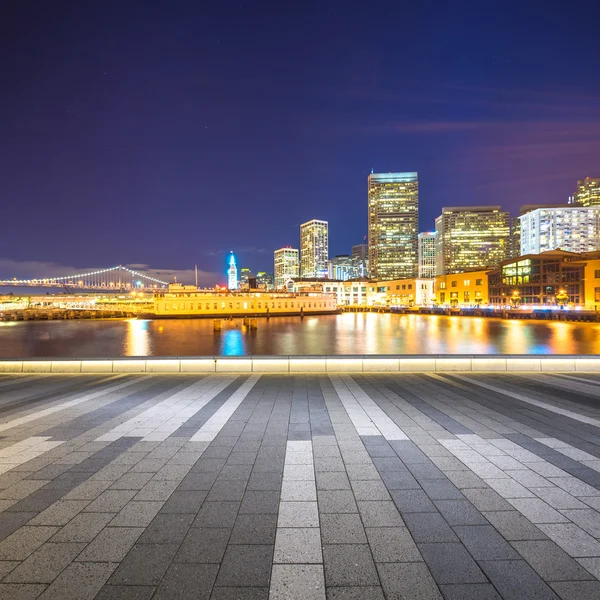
[[537, 279], [264, 279], [570, 228], [345, 267], [393, 225], [462, 289], [408, 292], [232, 279], [189, 301], [588, 192], [361, 252], [470, 238], [427, 254], [286, 266], [314, 248], [357, 292]]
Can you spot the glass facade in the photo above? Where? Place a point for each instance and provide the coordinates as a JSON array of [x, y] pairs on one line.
[[573, 229], [314, 248], [287, 266], [393, 225], [427, 254], [538, 280], [471, 237]]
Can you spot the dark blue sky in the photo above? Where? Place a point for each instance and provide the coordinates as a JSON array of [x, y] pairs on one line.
[[168, 133]]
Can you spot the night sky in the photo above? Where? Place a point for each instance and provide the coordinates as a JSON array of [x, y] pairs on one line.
[[168, 133]]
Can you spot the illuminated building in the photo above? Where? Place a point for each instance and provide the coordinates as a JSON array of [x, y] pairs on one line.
[[536, 279], [588, 192], [570, 228], [393, 225], [358, 292], [515, 237], [232, 280], [361, 251], [427, 254], [462, 289], [471, 237], [345, 267], [245, 276], [314, 248], [287, 266], [188, 301], [408, 292], [264, 279]]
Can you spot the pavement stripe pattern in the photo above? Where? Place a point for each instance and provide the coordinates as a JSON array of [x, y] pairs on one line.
[[312, 487]]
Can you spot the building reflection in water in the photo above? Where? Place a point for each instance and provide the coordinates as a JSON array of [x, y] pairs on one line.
[[138, 340], [232, 343]]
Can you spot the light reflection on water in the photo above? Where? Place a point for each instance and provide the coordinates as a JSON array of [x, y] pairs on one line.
[[351, 333]]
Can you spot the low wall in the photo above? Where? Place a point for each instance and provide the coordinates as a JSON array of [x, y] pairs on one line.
[[308, 364]]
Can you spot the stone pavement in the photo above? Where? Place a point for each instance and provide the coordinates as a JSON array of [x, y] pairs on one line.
[[312, 487]]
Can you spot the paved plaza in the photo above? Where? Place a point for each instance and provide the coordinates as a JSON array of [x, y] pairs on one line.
[[463, 486]]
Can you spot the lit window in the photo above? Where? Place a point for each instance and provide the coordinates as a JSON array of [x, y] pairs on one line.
[[453, 284], [478, 282], [467, 282]]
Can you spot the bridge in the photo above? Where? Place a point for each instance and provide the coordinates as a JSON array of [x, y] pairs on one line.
[[116, 279]]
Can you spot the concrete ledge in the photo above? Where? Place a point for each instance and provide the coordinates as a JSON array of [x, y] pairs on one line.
[[311, 364]]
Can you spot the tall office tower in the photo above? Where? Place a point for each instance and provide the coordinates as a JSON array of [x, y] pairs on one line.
[[361, 252], [287, 265], [345, 267], [471, 237], [427, 254], [232, 280], [245, 276], [393, 225], [515, 237], [314, 248], [588, 192], [573, 228]]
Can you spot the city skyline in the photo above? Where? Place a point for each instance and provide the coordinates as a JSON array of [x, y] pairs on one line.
[[133, 131]]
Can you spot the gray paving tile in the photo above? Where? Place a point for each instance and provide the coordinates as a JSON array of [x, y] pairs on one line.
[[240, 593], [20, 544], [59, 513], [451, 563], [513, 526], [471, 591], [260, 502], [183, 501], [409, 501], [515, 580], [572, 539], [111, 545], [187, 581], [484, 542], [20, 591], [298, 545], [577, 590], [79, 581], [167, 529], [486, 499], [392, 544], [349, 565], [84, 527], [125, 592], [460, 512], [408, 580], [246, 566], [203, 545], [380, 514], [342, 529], [552, 563], [254, 529], [336, 501], [355, 593], [297, 582], [45, 564], [136, 514], [429, 527], [145, 564]]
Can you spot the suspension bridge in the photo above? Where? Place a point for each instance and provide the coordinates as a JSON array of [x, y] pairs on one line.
[[117, 279]]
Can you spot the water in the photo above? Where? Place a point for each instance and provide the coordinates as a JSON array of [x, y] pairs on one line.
[[352, 333]]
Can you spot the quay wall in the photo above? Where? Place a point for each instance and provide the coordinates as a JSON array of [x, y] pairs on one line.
[[310, 364]]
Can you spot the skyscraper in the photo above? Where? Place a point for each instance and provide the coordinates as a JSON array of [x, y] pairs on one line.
[[345, 267], [573, 229], [471, 237], [287, 265], [393, 225], [232, 280], [588, 192], [427, 254], [361, 252], [314, 248]]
